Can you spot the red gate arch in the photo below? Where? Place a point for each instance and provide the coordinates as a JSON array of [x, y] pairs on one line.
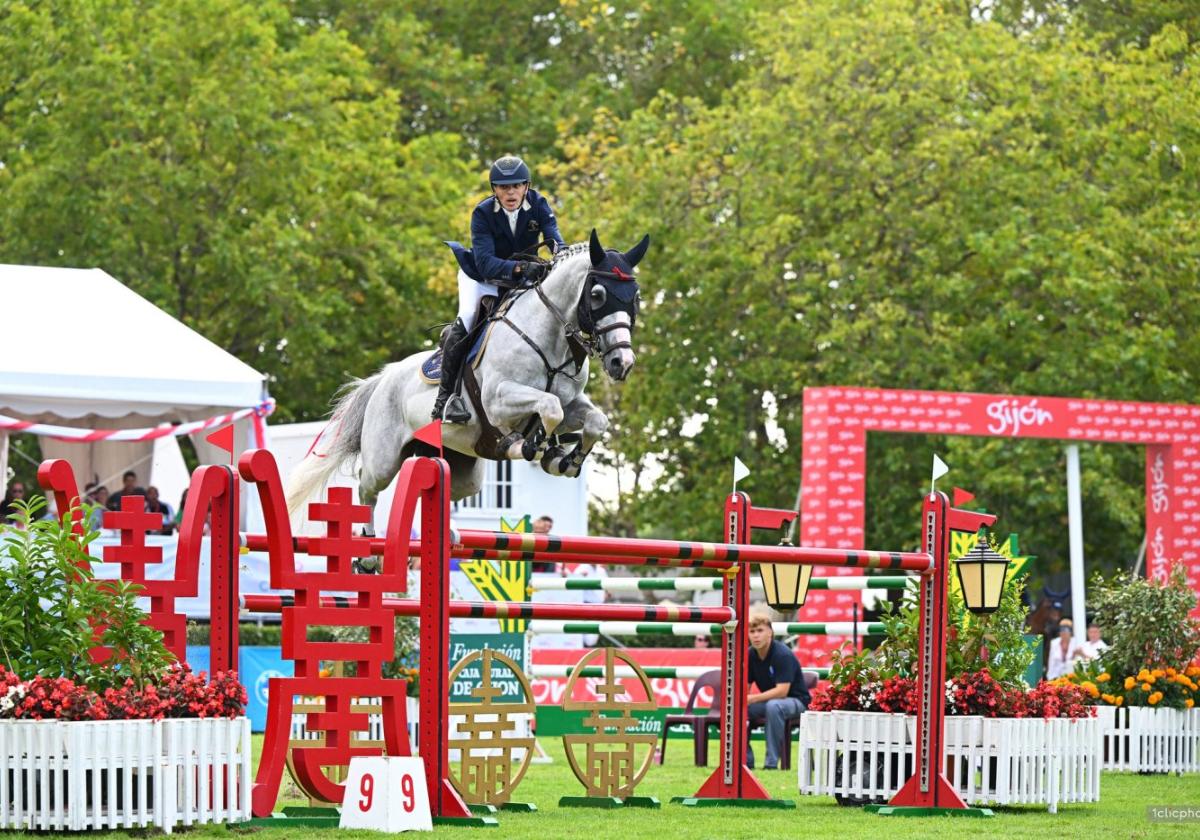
[[834, 464]]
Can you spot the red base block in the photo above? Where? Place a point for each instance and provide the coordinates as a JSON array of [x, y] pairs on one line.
[[940, 795], [450, 804], [745, 786]]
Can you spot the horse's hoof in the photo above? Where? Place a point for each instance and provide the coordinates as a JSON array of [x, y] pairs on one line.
[[529, 450], [553, 460]]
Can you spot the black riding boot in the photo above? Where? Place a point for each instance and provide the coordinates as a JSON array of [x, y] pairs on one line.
[[453, 351]]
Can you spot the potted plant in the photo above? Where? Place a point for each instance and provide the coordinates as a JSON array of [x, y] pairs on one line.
[[99, 727]]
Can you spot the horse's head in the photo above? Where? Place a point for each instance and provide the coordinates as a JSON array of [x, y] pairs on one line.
[[609, 303]]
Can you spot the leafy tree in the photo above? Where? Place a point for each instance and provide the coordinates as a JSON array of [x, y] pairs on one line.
[[905, 198], [235, 167]]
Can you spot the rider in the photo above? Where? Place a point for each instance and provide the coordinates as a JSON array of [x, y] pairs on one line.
[[505, 229]]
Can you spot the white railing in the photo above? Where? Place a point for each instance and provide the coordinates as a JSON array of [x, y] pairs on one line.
[[867, 756], [82, 775], [1146, 740], [373, 733]]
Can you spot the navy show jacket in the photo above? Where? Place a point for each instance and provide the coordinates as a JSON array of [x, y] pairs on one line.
[[493, 244]]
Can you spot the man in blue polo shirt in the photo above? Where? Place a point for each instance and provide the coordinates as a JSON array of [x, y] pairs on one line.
[[781, 691]]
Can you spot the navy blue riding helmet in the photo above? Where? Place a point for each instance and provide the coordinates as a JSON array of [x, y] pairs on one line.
[[510, 170]]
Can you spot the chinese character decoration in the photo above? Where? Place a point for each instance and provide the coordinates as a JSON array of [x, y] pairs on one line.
[[340, 716], [611, 766], [490, 767]]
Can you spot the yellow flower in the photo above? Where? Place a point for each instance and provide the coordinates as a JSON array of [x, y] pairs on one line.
[[1143, 675], [1189, 702], [1129, 683], [1171, 672], [1158, 672], [1145, 686], [1120, 701], [1103, 678], [1154, 698], [1090, 688], [1193, 671]]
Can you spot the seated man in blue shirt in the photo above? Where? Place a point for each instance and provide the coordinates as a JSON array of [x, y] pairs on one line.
[[781, 691]]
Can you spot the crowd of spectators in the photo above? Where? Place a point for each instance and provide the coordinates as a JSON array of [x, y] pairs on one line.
[[98, 495]]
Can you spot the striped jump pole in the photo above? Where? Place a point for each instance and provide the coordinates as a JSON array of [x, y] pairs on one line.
[[633, 628], [630, 613], [554, 583], [677, 672]]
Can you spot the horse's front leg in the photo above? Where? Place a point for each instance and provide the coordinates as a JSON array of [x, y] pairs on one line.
[[511, 409], [581, 415]]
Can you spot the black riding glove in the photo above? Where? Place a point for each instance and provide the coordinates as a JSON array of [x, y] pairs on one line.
[[530, 272]]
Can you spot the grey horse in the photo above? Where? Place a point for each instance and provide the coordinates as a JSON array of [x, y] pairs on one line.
[[529, 382]]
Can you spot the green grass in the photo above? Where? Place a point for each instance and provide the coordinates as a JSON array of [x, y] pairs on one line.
[[1121, 812]]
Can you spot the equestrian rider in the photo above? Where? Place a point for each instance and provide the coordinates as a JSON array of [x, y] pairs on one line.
[[505, 227]]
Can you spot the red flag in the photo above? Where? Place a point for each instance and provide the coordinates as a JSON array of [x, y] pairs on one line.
[[431, 434], [961, 497], [222, 439]]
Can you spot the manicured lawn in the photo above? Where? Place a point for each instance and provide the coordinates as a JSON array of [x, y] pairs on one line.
[[1121, 813]]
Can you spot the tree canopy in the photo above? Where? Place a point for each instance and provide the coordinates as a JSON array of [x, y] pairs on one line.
[[996, 196]]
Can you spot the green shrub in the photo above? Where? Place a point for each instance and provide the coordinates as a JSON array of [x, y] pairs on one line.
[[53, 612]]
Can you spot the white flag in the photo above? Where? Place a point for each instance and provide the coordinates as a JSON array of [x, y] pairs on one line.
[[939, 470], [740, 471]]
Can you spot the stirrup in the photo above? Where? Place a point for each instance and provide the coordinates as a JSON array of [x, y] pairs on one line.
[[456, 410]]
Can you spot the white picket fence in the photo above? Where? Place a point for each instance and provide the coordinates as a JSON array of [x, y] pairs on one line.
[[867, 756], [1146, 740], [74, 776]]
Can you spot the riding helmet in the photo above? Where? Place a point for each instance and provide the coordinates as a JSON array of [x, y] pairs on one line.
[[510, 169]]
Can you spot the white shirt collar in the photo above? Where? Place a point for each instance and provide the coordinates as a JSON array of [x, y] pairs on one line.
[[497, 206]]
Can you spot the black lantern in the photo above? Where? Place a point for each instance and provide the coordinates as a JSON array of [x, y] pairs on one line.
[[785, 585], [981, 573]]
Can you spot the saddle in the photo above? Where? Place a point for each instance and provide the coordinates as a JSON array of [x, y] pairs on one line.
[[485, 317]]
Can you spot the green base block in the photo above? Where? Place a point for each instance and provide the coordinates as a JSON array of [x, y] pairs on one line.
[[641, 802], [916, 811], [519, 807], [482, 808], [714, 802], [590, 802], [298, 815], [469, 822]]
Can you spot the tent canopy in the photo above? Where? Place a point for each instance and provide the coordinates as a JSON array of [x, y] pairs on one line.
[[92, 353], [99, 348]]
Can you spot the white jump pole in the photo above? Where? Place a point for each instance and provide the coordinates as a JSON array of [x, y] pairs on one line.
[[1075, 535]]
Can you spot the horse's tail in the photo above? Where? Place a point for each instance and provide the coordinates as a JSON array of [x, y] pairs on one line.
[[346, 424]]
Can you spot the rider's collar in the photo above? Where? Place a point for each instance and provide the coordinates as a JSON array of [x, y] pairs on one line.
[[497, 206]]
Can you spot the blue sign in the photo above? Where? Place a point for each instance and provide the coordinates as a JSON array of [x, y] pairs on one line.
[[256, 665]]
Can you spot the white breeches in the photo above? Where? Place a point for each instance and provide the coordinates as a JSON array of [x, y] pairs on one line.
[[469, 295]]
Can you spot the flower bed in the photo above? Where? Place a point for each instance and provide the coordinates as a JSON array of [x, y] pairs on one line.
[[862, 757], [78, 775]]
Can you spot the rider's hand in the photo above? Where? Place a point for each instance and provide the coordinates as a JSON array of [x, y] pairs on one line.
[[531, 272]]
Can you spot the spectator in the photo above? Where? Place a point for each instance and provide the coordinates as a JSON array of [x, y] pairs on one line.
[[128, 488], [96, 494], [782, 694], [1063, 652], [703, 642], [1094, 646], [15, 492], [542, 525], [156, 505], [179, 512]]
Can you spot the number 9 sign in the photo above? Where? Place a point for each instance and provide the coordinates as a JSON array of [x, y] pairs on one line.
[[386, 794]]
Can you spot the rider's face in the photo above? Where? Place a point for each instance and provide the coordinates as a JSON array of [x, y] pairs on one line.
[[510, 196]]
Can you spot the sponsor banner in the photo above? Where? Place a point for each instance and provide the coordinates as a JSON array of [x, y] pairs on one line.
[[256, 665], [669, 693]]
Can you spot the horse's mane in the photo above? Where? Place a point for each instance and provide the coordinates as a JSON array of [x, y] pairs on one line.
[[570, 252]]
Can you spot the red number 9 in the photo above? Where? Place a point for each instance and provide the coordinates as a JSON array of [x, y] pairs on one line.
[[406, 788], [367, 789]]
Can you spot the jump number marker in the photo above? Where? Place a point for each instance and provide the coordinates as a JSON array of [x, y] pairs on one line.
[[386, 794]]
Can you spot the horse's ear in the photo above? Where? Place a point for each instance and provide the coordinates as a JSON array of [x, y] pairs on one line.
[[597, 249], [634, 255]]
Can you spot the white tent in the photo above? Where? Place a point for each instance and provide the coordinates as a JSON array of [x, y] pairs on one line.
[[80, 349]]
